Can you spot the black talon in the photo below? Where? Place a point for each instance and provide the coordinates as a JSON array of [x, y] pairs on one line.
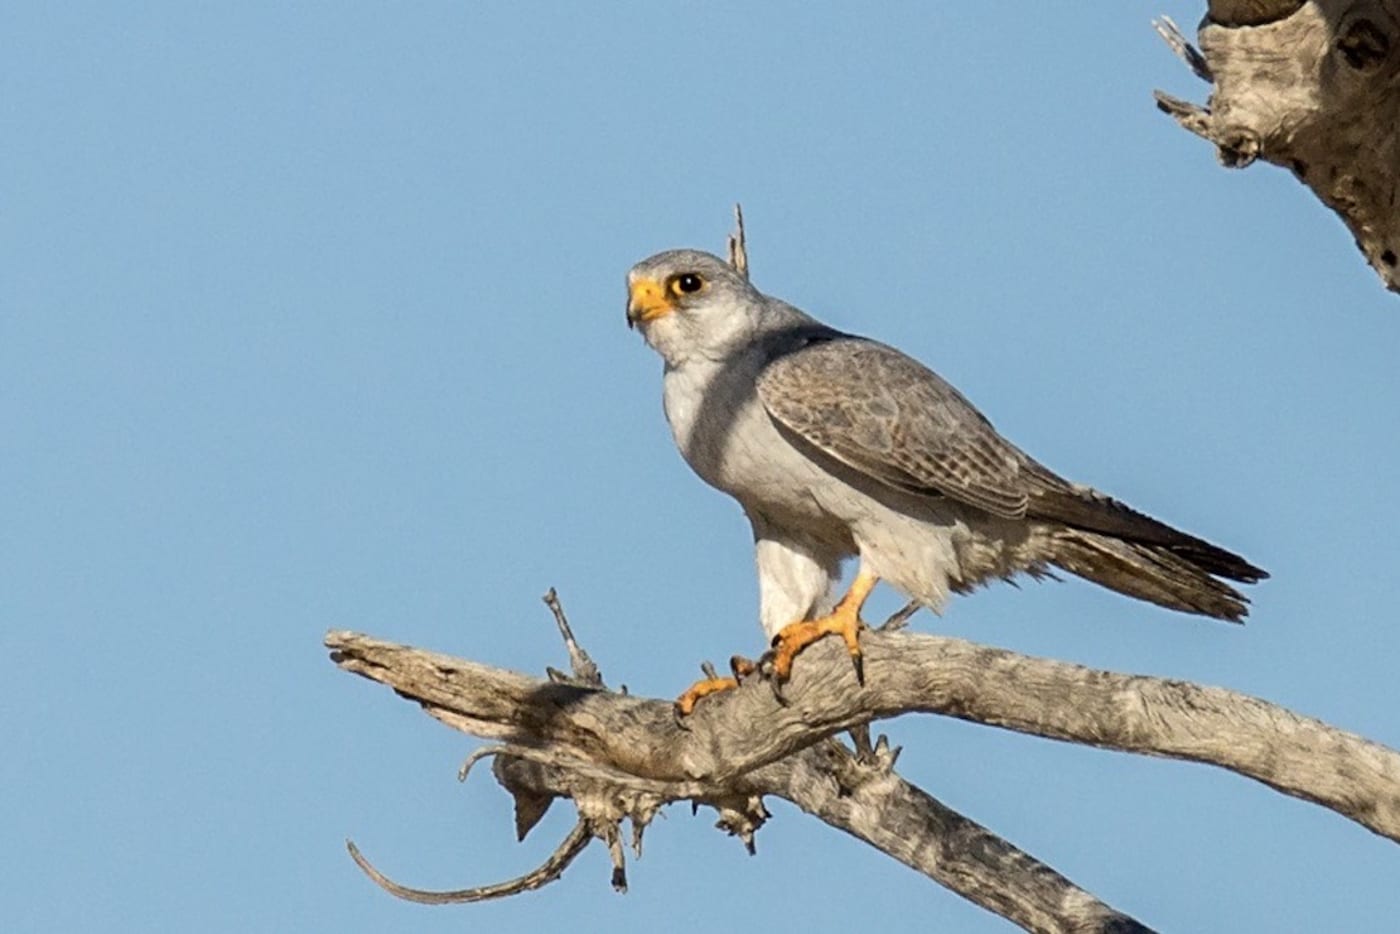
[[858, 661], [764, 665], [679, 718], [777, 687]]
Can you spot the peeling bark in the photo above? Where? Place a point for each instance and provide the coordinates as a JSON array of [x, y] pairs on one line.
[[1313, 87]]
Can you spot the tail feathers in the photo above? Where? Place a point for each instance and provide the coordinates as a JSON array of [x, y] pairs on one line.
[[1091, 511], [1166, 575]]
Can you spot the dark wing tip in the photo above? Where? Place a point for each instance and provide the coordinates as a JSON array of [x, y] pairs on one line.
[[1090, 510]]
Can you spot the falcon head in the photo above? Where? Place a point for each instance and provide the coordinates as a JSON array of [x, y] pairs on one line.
[[688, 303]]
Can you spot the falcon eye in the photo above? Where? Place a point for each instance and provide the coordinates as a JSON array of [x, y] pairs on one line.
[[688, 283]]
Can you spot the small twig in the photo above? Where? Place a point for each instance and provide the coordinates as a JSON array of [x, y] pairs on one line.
[[1192, 117], [1183, 48], [1236, 148], [476, 756], [612, 835], [738, 249], [900, 617], [551, 869], [585, 671], [883, 752], [860, 738]]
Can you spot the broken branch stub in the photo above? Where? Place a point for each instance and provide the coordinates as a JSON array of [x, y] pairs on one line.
[[1313, 87]]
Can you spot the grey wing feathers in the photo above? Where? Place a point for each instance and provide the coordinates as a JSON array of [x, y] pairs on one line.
[[881, 413], [888, 416]]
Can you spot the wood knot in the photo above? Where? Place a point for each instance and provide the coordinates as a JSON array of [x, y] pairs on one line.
[[1363, 45], [1237, 148]]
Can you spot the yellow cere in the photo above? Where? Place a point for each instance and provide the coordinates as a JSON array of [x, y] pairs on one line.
[[648, 301]]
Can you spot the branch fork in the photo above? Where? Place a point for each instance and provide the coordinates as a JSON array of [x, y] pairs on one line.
[[620, 758]]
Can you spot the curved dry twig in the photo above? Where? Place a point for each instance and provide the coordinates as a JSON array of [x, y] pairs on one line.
[[551, 869], [483, 752]]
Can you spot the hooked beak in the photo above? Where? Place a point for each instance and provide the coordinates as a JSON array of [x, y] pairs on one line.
[[646, 301]]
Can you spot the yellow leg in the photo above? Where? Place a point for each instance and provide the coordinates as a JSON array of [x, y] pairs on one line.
[[685, 704], [844, 621]]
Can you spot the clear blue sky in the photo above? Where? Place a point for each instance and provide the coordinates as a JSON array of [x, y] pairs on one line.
[[312, 318]]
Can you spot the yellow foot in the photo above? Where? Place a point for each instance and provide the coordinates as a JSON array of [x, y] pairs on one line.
[[844, 621], [795, 637], [685, 704]]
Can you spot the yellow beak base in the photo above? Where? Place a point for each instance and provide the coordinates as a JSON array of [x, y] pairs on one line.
[[647, 300]]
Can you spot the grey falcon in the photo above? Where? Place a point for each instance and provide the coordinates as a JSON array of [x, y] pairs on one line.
[[837, 446]]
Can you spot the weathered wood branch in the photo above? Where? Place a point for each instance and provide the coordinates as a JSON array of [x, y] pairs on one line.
[[905, 673], [619, 756], [569, 737], [1313, 87]]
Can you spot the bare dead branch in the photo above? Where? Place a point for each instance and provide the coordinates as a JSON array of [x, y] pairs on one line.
[[1313, 87], [621, 757], [873, 804], [551, 869], [858, 793], [747, 728], [863, 796]]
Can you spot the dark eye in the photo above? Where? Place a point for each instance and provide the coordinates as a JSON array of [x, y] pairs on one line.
[[688, 282]]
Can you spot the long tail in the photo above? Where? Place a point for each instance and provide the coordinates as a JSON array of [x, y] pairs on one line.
[[1106, 542], [1148, 572]]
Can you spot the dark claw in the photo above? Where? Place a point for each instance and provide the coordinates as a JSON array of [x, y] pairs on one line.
[[777, 687], [860, 738], [858, 661], [679, 718], [764, 665]]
